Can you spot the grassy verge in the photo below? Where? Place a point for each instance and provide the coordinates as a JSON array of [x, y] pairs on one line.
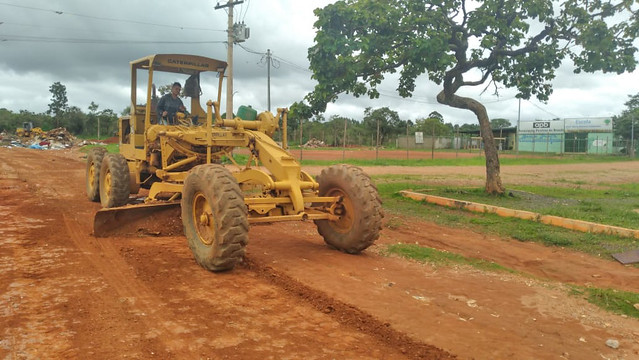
[[437, 257], [472, 161], [616, 301], [112, 148], [614, 207]]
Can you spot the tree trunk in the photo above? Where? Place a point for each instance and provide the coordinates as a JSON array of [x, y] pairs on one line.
[[493, 177]]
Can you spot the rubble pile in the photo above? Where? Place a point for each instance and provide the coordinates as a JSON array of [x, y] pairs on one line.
[[58, 138], [60, 135], [314, 143]]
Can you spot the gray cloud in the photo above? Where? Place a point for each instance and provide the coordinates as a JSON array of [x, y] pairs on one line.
[[98, 70]]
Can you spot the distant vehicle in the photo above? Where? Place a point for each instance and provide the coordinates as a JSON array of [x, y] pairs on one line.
[[28, 131]]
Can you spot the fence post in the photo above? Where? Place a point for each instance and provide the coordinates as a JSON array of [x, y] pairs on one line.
[[406, 139], [547, 139]]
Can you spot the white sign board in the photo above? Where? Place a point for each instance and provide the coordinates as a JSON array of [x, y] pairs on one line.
[[419, 137], [541, 127], [603, 124]]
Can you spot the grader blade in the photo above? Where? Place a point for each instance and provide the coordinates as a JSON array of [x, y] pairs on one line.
[[161, 219]]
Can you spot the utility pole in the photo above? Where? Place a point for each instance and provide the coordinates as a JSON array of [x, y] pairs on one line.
[[268, 77], [229, 56], [301, 140], [344, 143], [269, 62], [632, 136], [377, 142], [406, 139], [432, 150], [517, 132]]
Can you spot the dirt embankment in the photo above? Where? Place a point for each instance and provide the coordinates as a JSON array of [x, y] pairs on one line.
[[66, 294]]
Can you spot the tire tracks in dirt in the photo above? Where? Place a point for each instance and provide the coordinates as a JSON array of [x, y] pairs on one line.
[[141, 301], [346, 314]]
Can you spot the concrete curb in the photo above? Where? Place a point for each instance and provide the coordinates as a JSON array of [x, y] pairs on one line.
[[572, 224]]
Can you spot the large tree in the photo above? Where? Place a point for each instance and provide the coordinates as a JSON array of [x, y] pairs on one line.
[[458, 43], [385, 120], [59, 101], [434, 126]]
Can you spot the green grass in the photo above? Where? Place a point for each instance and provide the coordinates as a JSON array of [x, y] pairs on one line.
[[612, 207], [437, 257], [616, 301], [472, 161], [112, 148]]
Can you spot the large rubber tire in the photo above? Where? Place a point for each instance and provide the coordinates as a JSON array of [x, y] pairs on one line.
[[94, 163], [360, 212], [114, 181], [214, 216]]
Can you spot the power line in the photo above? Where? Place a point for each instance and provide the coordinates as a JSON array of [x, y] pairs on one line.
[[25, 38], [68, 28], [59, 12], [248, 50], [384, 93], [542, 109], [248, 3]]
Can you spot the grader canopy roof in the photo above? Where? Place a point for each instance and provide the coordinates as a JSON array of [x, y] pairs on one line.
[[179, 63]]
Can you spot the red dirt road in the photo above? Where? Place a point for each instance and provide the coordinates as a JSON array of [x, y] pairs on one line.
[[65, 294]]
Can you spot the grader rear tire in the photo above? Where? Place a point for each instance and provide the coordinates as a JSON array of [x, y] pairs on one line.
[[214, 217], [114, 181], [94, 163], [360, 211]]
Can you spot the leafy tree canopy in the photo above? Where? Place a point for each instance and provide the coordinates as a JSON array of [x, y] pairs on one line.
[[515, 43], [59, 101], [458, 43], [623, 123], [388, 120], [433, 126], [436, 115], [500, 123]]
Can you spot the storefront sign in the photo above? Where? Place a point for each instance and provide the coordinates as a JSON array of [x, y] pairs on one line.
[[602, 124], [541, 127]]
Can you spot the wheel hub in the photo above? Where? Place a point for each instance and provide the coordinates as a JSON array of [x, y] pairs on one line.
[[344, 209], [107, 184], [203, 219], [92, 174]]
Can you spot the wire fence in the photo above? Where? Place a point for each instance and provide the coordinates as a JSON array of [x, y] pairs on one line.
[[551, 144]]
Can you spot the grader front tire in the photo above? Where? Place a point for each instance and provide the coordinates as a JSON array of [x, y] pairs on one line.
[[360, 210], [94, 163], [114, 181], [214, 217]]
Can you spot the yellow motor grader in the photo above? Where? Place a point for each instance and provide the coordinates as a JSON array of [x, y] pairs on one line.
[[180, 165]]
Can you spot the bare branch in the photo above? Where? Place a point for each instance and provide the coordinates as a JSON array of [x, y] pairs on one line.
[[463, 4], [484, 77]]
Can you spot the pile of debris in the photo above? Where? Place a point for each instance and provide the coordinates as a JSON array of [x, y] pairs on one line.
[[59, 138], [60, 135], [314, 143]]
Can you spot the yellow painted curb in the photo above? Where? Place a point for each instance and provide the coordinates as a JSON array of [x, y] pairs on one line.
[[572, 224]]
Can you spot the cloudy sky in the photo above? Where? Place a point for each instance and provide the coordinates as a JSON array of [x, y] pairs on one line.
[[87, 46]]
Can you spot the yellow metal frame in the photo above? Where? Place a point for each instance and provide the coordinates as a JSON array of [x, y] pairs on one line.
[[167, 152]]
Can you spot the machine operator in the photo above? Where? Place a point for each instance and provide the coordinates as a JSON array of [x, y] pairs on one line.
[[169, 105]]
